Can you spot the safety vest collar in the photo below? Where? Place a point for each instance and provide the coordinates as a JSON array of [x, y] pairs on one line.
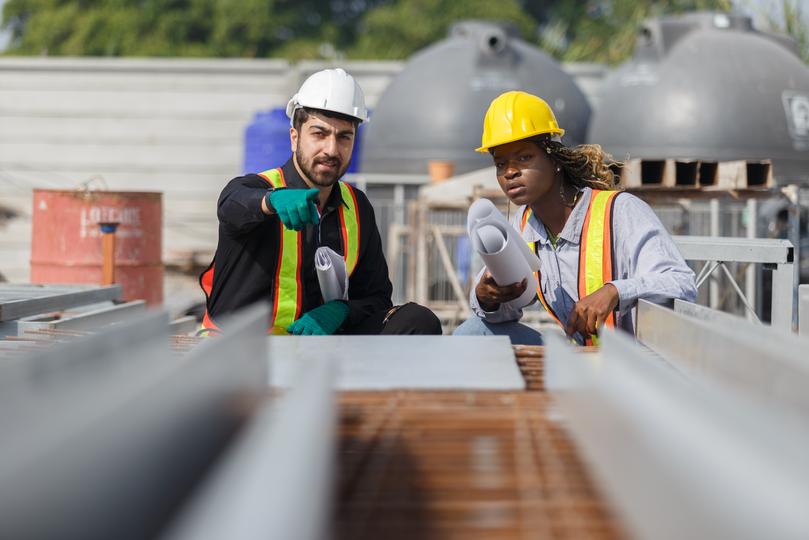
[[530, 226], [534, 230]]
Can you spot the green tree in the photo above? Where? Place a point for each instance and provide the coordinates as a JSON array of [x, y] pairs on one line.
[[246, 28], [571, 30], [604, 31], [138, 27], [790, 20], [398, 29]]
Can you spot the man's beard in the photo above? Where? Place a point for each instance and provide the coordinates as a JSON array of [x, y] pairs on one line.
[[322, 179]]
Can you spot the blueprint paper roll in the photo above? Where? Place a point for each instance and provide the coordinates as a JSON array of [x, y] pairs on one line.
[[502, 249], [331, 274], [483, 211]]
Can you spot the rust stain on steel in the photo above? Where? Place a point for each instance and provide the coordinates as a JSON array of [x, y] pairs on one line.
[[445, 465]]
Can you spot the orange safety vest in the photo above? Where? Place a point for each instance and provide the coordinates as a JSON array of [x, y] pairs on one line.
[[287, 290], [596, 252]]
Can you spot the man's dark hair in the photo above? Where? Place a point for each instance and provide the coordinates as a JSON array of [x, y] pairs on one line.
[[302, 115]]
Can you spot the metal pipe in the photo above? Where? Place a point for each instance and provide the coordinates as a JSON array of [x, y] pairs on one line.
[[108, 252], [715, 231], [750, 272]]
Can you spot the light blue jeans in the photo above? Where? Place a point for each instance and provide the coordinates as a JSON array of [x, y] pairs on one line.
[[519, 333]]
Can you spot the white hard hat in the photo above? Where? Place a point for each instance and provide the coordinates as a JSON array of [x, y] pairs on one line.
[[330, 90]]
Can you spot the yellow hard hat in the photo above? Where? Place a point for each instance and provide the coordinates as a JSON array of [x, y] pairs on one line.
[[514, 116]]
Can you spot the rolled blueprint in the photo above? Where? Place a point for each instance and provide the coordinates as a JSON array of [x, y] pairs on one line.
[[331, 274], [502, 249]]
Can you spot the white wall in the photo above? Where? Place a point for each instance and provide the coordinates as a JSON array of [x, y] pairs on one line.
[[167, 125]]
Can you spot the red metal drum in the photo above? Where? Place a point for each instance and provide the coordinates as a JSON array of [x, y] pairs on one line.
[[66, 239]]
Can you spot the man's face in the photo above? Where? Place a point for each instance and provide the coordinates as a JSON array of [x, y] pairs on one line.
[[323, 148], [525, 173]]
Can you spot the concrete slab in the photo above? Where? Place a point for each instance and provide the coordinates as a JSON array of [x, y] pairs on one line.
[[401, 362]]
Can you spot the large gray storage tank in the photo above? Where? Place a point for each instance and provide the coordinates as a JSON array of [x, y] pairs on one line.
[[434, 108], [708, 86]]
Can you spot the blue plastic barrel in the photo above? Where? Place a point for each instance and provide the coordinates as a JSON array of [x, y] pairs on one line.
[[356, 156], [463, 257], [266, 142]]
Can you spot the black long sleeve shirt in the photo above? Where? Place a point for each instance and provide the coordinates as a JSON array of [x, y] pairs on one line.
[[246, 258]]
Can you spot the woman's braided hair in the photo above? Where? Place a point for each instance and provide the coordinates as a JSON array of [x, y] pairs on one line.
[[585, 165]]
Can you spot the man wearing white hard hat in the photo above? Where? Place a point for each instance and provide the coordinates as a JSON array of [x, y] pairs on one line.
[[272, 223]]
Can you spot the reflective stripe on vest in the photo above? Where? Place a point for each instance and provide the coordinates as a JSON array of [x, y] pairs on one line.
[[350, 227], [208, 327], [595, 252], [287, 294], [288, 290]]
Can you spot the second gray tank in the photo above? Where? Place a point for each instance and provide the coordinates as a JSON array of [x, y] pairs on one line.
[[433, 110], [710, 87]]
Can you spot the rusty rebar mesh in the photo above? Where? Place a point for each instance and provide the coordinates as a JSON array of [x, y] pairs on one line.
[[530, 361], [445, 465]]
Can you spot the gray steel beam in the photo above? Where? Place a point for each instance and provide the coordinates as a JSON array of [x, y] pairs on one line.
[[803, 310], [116, 429], [18, 301], [764, 363], [707, 314], [31, 382], [402, 362], [675, 460], [276, 480], [718, 248], [99, 318], [94, 319], [183, 325], [783, 297]]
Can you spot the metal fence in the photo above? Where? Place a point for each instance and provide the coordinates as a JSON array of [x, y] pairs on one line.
[[407, 227]]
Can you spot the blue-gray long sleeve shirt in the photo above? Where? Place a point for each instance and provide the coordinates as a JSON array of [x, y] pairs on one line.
[[647, 263]]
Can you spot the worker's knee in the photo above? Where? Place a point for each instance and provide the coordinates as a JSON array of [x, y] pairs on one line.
[[473, 326], [412, 318], [518, 333]]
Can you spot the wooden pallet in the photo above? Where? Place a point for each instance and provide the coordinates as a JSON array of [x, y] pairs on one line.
[[690, 174]]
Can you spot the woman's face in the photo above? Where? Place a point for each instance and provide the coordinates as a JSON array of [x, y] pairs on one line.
[[524, 171]]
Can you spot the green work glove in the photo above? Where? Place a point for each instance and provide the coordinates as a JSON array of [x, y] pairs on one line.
[[295, 207], [322, 321]]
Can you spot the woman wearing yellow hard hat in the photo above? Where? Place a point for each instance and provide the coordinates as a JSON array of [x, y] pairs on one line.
[[600, 249]]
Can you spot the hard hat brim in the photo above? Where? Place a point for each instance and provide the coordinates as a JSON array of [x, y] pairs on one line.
[[293, 106], [485, 149]]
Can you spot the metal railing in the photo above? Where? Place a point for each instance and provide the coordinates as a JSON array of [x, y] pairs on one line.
[[777, 255]]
